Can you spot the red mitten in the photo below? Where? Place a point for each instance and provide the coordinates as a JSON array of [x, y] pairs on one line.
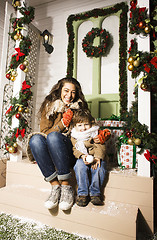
[[104, 135], [67, 117]]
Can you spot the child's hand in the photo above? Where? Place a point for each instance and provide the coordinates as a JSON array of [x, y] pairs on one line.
[[84, 159], [96, 163], [104, 135]]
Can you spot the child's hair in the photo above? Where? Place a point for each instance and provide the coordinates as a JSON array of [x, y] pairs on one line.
[[80, 116]]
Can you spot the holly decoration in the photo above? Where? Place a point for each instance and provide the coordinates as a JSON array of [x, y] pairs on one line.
[[96, 51]]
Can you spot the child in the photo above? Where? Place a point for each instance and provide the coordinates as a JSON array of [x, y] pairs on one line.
[[89, 168]]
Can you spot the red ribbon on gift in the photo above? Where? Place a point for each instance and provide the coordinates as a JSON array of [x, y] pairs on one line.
[[22, 132], [19, 54], [25, 85], [149, 157]]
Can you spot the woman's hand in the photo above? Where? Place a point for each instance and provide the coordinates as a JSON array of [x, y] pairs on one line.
[[67, 117], [96, 163]]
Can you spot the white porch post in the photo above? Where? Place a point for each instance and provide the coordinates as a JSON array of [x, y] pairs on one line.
[[144, 101], [16, 88], [3, 79]]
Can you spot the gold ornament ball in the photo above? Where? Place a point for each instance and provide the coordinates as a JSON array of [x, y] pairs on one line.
[[137, 141], [20, 109], [26, 110], [14, 73], [12, 78], [17, 4], [25, 63], [130, 141], [11, 149], [144, 86], [130, 59], [130, 67], [16, 37], [25, 70], [15, 145], [147, 29], [136, 63]]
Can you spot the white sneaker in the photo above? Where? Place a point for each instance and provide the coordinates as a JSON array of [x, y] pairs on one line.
[[54, 197], [67, 197]]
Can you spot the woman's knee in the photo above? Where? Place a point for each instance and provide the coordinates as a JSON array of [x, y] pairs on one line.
[[53, 136], [36, 140]]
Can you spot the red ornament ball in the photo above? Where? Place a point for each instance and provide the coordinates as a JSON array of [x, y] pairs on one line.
[[8, 75], [18, 115], [141, 25], [22, 67]]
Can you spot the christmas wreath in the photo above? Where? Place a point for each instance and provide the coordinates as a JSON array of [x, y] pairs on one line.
[[96, 51]]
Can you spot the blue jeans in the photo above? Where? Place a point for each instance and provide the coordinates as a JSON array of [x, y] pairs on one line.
[[89, 181], [53, 155]]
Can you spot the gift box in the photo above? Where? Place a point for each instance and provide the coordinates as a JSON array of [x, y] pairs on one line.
[[127, 157], [116, 128]]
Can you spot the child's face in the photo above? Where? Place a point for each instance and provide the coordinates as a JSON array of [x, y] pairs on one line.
[[81, 127]]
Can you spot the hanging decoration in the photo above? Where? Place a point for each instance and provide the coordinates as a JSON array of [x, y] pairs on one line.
[[96, 51], [19, 106], [95, 13]]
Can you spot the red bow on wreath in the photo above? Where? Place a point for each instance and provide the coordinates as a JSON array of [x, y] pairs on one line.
[[19, 54], [25, 85], [149, 157], [22, 132]]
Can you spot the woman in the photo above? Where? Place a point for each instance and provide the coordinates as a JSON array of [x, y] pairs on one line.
[[51, 148]]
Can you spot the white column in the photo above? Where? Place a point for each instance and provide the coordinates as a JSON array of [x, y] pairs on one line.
[[16, 88], [144, 100], [3, 79]]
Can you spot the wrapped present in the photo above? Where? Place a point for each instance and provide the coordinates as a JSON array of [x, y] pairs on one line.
[[127, 157], [116, 128]]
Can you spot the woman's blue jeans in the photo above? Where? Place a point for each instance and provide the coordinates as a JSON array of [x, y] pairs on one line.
[[89, 181], [53, 155]]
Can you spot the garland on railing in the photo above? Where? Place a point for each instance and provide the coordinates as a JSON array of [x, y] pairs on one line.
[[95, 13], [19, 107], [23, 50]]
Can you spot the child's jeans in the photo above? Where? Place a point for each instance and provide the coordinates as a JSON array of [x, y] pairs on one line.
[[89, 181]]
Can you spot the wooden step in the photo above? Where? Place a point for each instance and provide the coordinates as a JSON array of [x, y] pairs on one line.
[[109, 222], [125, 193]]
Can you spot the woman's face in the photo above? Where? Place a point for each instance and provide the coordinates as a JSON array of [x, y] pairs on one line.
[[68, 93]]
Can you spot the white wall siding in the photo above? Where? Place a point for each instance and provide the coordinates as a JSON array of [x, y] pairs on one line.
[[2, 16]]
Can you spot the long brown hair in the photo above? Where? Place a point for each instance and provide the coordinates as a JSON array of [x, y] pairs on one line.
[[55, 93]]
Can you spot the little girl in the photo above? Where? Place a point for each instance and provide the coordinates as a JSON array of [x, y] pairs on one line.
[[90, 165]]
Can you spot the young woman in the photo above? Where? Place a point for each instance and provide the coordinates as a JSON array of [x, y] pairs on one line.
[[52, 148]]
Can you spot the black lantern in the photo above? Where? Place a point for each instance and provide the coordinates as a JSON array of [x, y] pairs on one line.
[[46, 41]]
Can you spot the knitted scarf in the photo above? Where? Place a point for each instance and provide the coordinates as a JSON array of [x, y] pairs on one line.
[[84, 136]]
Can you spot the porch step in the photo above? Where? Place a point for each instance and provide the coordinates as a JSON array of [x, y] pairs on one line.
[[109, 222], [26, 191]]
